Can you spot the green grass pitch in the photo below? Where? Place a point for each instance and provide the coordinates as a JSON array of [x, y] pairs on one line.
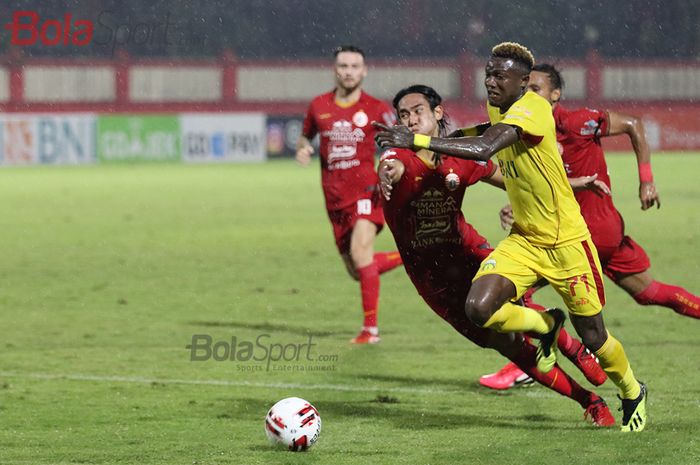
[[106, 273]]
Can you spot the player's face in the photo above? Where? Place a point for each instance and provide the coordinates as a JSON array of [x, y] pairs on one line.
[[350, 70], [415, 113], [504, 82], [541, 85]]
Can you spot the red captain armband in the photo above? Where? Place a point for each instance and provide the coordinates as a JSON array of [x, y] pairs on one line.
[[645, 174]]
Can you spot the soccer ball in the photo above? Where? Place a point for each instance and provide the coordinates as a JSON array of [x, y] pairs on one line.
[[293, 423]]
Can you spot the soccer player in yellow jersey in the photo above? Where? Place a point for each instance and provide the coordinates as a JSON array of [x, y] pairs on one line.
[[549, 238]]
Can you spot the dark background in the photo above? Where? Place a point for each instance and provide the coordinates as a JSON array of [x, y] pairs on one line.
[[397, 28]]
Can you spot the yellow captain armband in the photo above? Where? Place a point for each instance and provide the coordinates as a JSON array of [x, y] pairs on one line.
[[421, 141], [470, 132]]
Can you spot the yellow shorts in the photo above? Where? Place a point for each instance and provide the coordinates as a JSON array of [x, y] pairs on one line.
[[573, 271]]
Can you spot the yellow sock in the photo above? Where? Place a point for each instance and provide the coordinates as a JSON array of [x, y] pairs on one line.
[[613, 360], [511, 318]]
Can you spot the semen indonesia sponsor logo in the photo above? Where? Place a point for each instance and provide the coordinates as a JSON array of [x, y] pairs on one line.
[[262, 353]]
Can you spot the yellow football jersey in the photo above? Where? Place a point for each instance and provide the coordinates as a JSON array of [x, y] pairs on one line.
[[544, 207]]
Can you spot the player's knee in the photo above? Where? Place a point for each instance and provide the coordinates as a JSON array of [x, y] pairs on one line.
[[361, 256], [478, 310], [359, 247], [593, 340]]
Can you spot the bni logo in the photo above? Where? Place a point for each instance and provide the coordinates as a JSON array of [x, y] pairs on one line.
[[28, 28]]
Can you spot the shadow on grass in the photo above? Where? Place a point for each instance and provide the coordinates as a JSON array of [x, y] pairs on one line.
[[404, 415], [413, 381], [293, 458], [463, 384]]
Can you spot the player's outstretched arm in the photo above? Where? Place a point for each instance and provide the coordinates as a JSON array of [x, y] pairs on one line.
[[304, 151], [470, 131], [479, 148], [390, 172], [621, 123], [590, 183]]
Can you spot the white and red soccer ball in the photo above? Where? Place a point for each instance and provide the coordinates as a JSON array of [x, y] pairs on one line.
[[294, 423]]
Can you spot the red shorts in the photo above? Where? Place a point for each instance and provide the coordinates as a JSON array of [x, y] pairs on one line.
[[627, 258], [343, 220]]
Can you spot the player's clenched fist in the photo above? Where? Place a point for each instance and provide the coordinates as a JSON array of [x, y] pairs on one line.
[[397, 136], [304, 154], [648, 195]]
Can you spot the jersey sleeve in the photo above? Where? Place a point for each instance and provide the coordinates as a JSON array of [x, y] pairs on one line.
[[529, 118], [394, 154], [588, 123], [478, 170], [309, 129]]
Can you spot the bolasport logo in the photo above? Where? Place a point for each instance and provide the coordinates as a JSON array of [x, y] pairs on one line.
[[109, 30], [29, 28]]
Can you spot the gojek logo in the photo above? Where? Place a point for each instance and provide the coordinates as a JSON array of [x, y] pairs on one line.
[[28, 28]]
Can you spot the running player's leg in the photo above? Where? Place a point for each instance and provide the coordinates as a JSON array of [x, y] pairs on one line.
[[571, 347], [628, 267], [511, 376], [387, 261], [355, 229], [514, 347], [447, 305], [362, 239], [504, 276], [657, 293], [349, 236], [581, 288]]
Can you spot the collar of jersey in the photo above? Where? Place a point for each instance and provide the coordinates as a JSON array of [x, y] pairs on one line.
[[345, 105], [432, 166]]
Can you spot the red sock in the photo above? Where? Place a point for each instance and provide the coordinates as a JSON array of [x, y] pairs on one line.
[[556, 380], [387, 261], [369, 287], [568, 345], [674, 297]]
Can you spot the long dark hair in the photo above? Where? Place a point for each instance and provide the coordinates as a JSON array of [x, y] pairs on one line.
[[430, 95]]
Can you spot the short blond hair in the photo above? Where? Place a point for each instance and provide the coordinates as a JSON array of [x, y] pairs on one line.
[[514, 51]]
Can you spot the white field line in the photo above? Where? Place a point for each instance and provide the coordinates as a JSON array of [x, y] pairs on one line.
[[214, 382], [533, 393]]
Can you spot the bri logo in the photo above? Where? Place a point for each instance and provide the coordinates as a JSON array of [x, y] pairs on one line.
[[28, 28]]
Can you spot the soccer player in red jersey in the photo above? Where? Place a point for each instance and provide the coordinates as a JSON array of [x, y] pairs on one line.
[[440, 250], [342, 120], [625, 262]]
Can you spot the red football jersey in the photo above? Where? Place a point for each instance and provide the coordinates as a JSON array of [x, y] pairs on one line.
[[347, 146], [438, 247], [578, 134]]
